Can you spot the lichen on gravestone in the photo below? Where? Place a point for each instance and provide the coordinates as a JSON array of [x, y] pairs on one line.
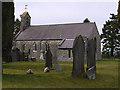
[[78, 56], [91, 59]]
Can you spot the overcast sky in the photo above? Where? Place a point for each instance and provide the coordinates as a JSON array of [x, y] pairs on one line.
[[67, 12]]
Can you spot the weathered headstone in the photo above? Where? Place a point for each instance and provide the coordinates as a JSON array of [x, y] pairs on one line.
[[48, 62], [41, 55], [22, 56], [26, 57], [46, 69], [78, 56], [54, 50], [15, 54], [91, 59], [91, 73], [29, 55], [29, 71]]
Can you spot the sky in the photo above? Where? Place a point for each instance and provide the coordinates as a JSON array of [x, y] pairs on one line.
[[43, 12]]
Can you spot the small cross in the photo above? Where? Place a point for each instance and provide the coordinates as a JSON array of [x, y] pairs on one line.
[[26, 7]]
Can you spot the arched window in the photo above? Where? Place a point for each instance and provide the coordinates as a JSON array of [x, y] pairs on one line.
[[69, 53], [23, 46], [34, 46]]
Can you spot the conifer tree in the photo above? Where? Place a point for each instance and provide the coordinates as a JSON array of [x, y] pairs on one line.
[[118, 14], [86, 20], [110, 35], [7, 29]]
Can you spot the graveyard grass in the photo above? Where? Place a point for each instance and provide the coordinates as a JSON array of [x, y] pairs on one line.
[[14, 75]]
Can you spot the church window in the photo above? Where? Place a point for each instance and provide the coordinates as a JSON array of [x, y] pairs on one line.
[[34, 47], [69, 53]]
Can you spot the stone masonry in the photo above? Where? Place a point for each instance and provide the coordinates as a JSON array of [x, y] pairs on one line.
[[40, 45]]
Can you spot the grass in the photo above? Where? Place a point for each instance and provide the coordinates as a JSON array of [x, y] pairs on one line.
[[0, 81], [14, 76]]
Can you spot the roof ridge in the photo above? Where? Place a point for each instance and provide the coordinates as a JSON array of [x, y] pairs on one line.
[[62, 24]]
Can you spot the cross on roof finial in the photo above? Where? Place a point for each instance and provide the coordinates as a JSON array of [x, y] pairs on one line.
[[26, 8]]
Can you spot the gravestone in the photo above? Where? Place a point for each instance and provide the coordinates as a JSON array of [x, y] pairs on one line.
[[91, 73], [22, 56], [46, 69], [41, 55], [54, 50], [29, 55], [48, 62], [15, 54], [91, 59], [78, 56], [26, 57], [29, 71]]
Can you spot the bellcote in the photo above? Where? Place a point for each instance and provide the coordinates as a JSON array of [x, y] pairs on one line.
[[25, 21]]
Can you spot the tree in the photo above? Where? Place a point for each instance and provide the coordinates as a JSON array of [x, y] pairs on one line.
[[118, 14], [7, 29], [110, 35], [86, 20], [118, 17], [17, 24]]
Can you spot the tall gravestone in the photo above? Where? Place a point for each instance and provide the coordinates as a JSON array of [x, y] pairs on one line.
[[54, 50], [78, 56], [15, 54], [91, 59], [48, 62]]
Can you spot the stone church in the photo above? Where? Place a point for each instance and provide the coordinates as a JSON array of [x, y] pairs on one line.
[[33, 38]]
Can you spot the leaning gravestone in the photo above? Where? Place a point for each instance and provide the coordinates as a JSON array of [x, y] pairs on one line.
[[15, 54], [48, 62], [91, 59], [54, 50], [78, 56]]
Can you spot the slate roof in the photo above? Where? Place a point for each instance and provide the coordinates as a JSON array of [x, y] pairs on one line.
[[68, 43], [59, 31]]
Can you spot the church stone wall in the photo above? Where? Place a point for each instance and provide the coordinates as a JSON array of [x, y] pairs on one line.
[[62, 54], [40, 45]]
